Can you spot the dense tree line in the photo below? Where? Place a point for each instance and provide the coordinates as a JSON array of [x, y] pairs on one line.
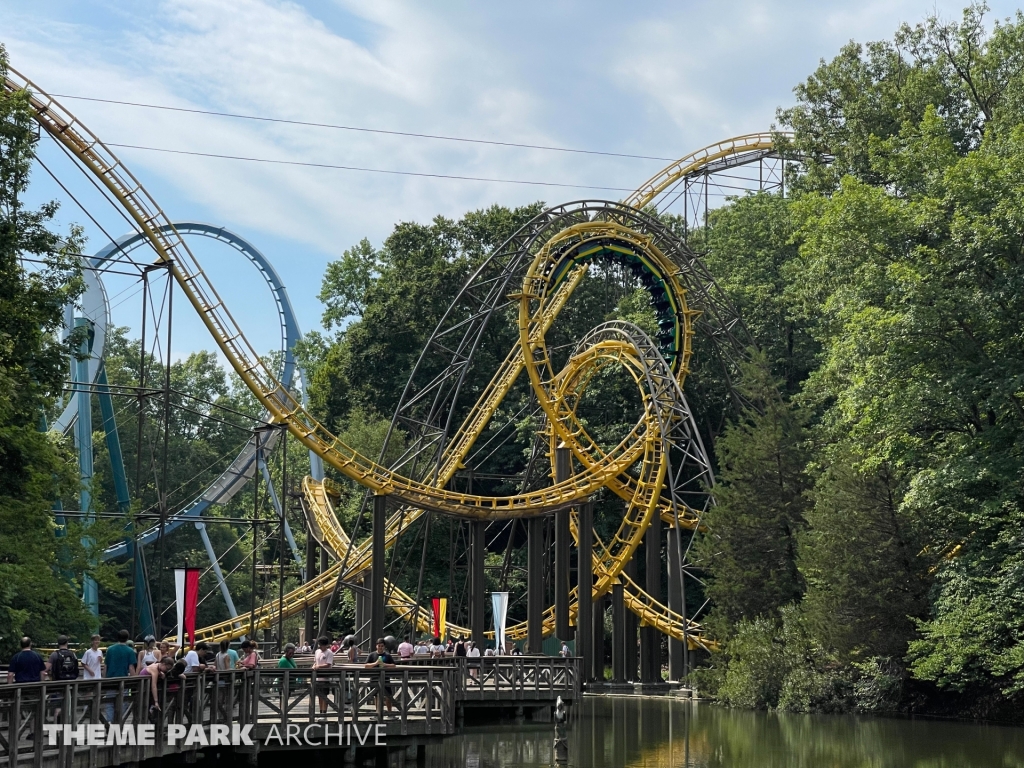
[[883, 481]]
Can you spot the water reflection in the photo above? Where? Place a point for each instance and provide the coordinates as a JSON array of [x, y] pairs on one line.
[[614, 732]]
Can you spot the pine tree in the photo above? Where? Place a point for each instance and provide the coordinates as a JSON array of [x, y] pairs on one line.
[[749, 550]]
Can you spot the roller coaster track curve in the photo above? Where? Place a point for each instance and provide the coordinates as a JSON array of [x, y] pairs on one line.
[[548, 282]]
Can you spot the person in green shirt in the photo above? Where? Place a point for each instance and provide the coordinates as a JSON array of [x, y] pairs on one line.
[[286, 661], [120, 657]]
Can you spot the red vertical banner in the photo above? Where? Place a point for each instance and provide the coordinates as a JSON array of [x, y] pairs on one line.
[[440, 605], [191, 600]]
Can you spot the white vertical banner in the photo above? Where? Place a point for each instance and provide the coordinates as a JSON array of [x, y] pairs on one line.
[[499, 609], [179, 596]]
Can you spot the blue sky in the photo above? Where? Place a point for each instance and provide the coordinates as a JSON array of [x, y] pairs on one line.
[[651, 78]]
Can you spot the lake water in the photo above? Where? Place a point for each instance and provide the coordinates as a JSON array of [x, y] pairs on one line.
[[658, 732]]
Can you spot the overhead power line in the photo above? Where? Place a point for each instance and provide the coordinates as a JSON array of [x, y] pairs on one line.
[[361, 129], [366, 170]]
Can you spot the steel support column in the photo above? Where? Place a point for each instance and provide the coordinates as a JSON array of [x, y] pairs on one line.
[[380, 520], [618, 634], [215, 565], [535, 585], [585, 587], [325, 605], [629, 624], [597, 664], [360, 593], [83, 441], [676, 662], [477, 583], [650, 643], [563, 469], [312, 570]]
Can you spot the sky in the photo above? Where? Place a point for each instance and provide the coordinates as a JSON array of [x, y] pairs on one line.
[[658, 79]]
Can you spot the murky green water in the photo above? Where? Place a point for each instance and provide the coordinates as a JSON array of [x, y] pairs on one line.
[[613, 732]]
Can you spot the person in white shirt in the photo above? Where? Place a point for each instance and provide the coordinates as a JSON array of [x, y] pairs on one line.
[[472, 652], [323, 659], [422, 649], [437, 650], [405, 649], [192, 660], [92, 661]]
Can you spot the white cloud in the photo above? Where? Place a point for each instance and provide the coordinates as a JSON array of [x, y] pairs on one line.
[[662, 78]]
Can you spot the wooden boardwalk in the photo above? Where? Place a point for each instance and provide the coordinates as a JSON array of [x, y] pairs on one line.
[[280, 706]]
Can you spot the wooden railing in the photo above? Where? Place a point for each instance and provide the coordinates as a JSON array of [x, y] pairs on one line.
[[518, 678], [424, 699], [426, 694]]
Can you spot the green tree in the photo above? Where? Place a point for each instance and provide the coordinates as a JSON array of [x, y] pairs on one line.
[[38, 276], [859, 559], [749, 244], [967, 74], [750, 548]]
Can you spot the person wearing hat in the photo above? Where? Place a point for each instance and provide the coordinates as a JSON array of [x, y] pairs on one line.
[[287, 661]]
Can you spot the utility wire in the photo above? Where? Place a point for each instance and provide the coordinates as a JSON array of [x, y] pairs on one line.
[[359, 129], [366, 170], [105, 194], [75, 199]]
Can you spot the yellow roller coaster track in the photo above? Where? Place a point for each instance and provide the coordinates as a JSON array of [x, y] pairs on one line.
[[698, 161], [283, 406], [540, 300], [607, 565]]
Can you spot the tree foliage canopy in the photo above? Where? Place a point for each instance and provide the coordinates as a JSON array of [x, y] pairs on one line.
[[903, 271]]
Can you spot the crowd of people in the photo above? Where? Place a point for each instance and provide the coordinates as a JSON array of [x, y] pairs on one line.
[[124, 658], [160, 662], [160, 659]]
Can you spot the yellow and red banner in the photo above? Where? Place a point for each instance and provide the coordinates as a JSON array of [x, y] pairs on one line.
[[440, 605]]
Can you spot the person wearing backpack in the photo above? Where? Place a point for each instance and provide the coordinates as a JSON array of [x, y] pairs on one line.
[[62, 666], [63, 662]]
